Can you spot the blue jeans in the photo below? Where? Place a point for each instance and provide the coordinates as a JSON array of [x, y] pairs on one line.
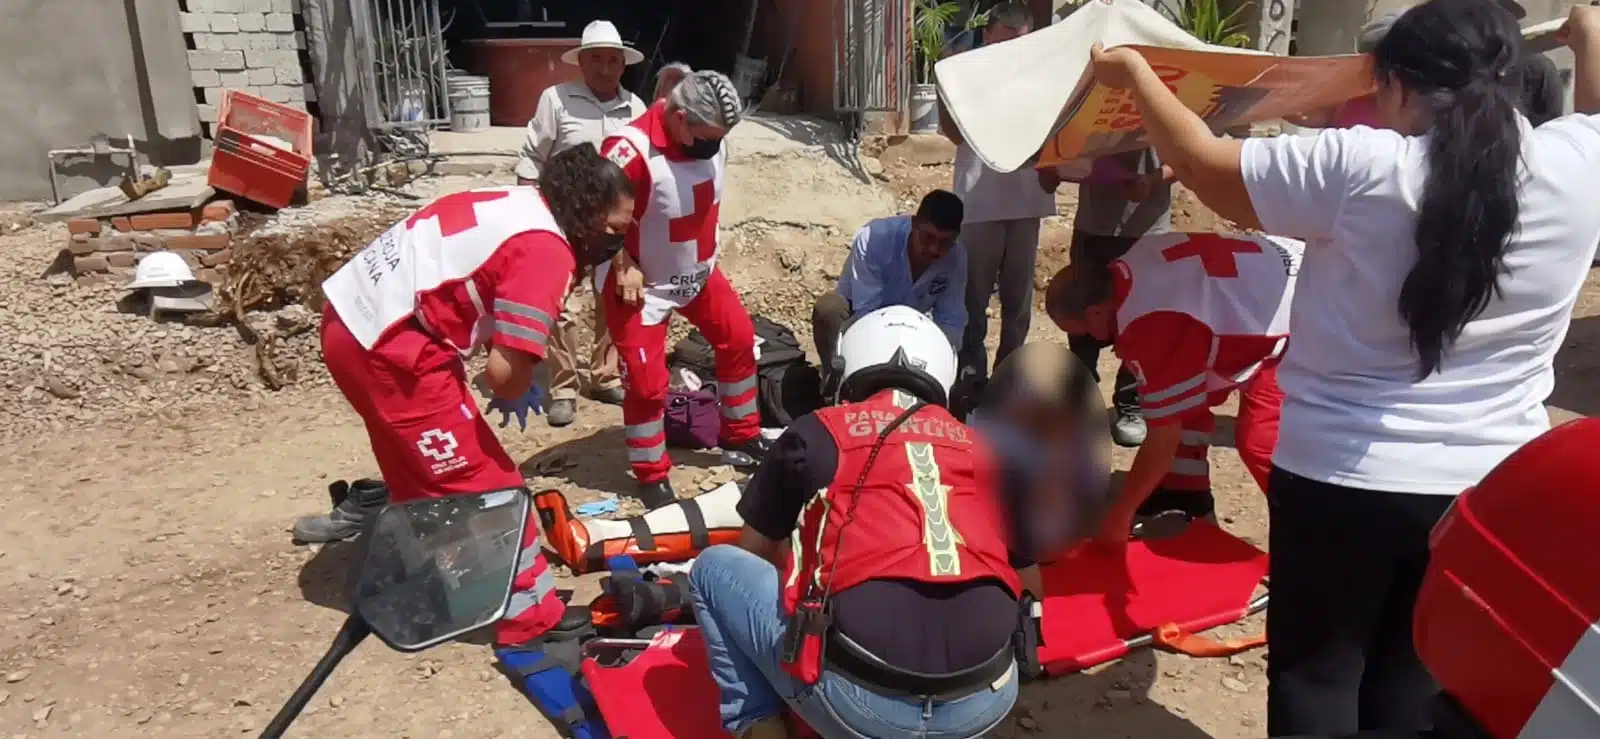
[[739, 606]]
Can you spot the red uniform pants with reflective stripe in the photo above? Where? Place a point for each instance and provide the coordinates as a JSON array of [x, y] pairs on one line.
[[723, 321], [430, 441], [1255, 434]]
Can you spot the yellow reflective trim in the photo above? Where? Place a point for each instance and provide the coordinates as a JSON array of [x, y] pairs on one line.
[[939, 537]]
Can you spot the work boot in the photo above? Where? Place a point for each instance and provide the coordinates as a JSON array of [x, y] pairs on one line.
[[746, 454], [656, 494], [562, 412], [353, 503], [767, 728], [608, 395]]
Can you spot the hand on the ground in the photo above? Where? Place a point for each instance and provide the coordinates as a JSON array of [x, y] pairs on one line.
[[1581, 29], [630, 281], [1116, 68], [533, 400]]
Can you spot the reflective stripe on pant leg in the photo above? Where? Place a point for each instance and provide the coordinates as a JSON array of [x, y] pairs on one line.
[[532, 609], [1191, 470], [643, 353], [738, 399], [724, 322]]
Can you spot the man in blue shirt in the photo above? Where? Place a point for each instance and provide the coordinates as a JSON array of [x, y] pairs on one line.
[[901, 260]]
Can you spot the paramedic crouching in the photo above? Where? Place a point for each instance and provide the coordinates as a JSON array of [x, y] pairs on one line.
[[896, 615], [900, 260]]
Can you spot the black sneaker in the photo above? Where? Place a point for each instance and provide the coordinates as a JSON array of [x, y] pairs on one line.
[[747, 454], [656, 494], [353, 504]]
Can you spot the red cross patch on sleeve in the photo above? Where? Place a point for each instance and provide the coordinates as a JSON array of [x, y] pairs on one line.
[[621, 153]]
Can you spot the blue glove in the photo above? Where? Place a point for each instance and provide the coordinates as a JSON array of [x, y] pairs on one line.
[[533, 400]]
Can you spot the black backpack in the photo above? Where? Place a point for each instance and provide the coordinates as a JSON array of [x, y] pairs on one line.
[[788, 386]]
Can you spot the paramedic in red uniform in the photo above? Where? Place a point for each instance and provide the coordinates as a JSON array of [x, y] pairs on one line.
[[475, 269], [674, 156], [1195, 316], [873, 528]]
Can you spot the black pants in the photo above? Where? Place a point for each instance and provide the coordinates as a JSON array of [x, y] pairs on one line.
[[828, 316], [1346, 566], [1125, 396]]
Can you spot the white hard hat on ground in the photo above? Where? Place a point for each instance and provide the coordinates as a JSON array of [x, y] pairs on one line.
[[161, 269], [895, 347]]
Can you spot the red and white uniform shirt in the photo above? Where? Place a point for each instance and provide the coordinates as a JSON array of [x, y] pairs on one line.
[[677, 200], [472, 268], [1197, 315]]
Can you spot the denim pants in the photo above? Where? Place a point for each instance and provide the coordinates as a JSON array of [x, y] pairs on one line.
[[738, 604]]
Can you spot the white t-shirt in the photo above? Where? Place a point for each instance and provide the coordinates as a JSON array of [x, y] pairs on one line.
[[1355, 415], [987, 195]]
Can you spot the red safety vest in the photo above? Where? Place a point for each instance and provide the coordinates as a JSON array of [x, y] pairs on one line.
[[929, 511]]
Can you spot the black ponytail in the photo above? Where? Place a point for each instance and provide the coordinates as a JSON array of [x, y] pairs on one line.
[[1457, 57]]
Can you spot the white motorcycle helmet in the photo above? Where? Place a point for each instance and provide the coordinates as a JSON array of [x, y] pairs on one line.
[[895, 347]]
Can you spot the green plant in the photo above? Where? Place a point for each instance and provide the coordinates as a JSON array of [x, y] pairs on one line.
[[1205, 20], [930, 24]]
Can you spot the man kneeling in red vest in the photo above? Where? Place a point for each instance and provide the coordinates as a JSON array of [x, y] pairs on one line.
[[871, 589]]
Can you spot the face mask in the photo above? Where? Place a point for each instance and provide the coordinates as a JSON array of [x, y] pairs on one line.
[[601, 248], [703, 148]]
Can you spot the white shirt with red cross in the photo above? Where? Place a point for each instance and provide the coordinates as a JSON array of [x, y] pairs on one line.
[[677, 202], [471, 267], [1198, 314]]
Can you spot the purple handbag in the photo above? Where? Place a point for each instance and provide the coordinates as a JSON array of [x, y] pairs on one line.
[[692, 418]]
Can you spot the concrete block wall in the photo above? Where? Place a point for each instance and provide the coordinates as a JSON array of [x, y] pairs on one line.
[[255, 46]]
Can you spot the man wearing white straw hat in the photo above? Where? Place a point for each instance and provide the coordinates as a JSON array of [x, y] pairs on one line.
[[583, 111]]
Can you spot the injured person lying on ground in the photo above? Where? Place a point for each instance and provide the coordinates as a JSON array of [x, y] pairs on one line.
[[902, 596]]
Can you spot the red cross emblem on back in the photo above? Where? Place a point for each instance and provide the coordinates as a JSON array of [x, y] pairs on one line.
[[700, 225], [1216, 253], [456, 213]]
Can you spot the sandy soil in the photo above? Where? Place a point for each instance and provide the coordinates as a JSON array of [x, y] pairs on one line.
[[150, 586]]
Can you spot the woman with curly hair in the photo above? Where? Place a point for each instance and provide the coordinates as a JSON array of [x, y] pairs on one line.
[[481, 269]]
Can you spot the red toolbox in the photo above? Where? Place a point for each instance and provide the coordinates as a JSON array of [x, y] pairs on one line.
[[247, 163]]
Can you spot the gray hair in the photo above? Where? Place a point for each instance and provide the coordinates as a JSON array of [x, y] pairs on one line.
[[1376, 29], [709, 98], [1011, 15], [668, 77]]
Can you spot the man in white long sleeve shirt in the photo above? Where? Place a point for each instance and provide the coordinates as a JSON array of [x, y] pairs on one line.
[[582, 112], [901, 260]]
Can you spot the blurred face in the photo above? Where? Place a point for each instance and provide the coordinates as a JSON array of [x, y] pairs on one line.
[[928, 243], [998, 32], [602, 70]]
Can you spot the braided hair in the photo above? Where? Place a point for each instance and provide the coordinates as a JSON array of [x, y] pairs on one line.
[[708, 98]]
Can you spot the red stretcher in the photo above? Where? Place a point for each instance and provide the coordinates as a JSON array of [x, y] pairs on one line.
[[1163, 593], [1098, 609]]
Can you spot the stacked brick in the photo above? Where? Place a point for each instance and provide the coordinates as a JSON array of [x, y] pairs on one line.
[[247, 45], [106, 250]]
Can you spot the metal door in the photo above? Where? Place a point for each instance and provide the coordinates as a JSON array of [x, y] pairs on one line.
[[871, 55], [404, 80]]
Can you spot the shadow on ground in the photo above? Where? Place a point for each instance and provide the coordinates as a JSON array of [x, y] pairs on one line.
[[1113, 703], [599, 462], [808, 131], [1577, 366]]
